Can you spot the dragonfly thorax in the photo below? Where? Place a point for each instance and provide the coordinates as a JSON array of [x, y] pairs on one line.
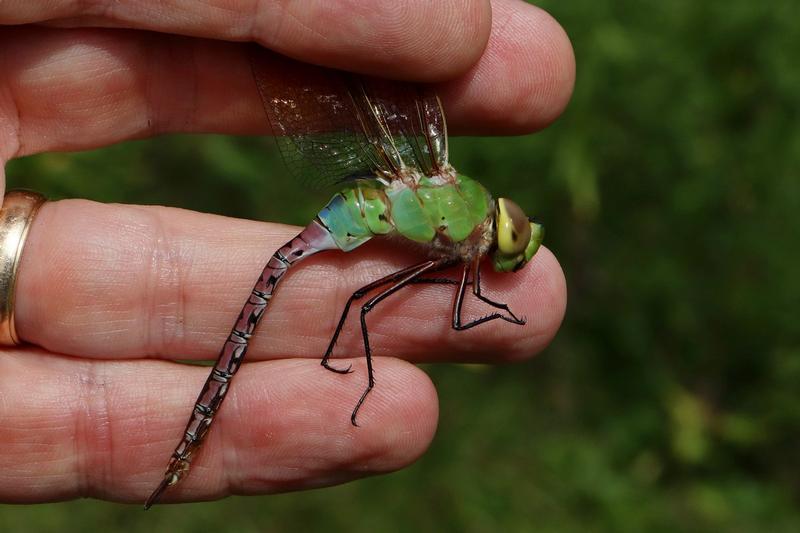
[[449, 214]]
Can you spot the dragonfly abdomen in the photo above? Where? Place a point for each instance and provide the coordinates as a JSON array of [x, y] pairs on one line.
[[314, 238], [356, 214]]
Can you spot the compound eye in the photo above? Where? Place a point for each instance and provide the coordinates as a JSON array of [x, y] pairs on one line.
[[513, 228]]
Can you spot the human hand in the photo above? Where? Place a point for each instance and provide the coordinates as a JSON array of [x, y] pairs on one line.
[[105, 291]]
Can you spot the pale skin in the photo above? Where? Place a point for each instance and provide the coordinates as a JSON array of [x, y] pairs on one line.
[[108, 294]]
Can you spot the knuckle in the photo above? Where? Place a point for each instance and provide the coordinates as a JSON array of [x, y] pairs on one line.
[[165, 292], [92, 430]]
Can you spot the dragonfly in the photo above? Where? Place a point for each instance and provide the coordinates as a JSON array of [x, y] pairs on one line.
[[384, 145]]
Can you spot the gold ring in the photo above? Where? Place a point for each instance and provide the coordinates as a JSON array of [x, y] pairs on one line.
[[16, 215]]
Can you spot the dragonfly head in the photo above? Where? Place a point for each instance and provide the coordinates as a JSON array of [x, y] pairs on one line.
[[518, 237]]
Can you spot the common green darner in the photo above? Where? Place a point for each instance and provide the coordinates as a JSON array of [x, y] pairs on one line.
[[385, 145]]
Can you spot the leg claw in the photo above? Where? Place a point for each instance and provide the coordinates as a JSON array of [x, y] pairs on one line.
[[514, 320], [347, 370]]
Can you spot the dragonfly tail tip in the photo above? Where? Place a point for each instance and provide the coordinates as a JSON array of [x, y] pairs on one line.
[[156, 494]]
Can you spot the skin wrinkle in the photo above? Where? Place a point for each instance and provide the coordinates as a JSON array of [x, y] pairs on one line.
[[120, 266], [98, 443], [167, 316], [288, 13], [178, 338], [260, 26], [81, 441], [82, 422], [269, 31], [250, 34], [164, 286], [502, 26]]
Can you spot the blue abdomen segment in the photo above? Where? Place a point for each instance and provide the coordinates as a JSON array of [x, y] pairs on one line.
[[343, 218]]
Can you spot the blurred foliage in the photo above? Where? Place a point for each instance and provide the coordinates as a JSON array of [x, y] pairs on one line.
[[670, 399]]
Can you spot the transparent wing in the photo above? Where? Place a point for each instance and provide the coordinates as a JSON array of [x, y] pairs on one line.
[[333, 126], [405, 120]]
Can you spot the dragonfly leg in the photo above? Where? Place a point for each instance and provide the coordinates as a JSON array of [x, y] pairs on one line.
[[408, 277], [476, 290], [360, 293], [436, 281], [458, 325]]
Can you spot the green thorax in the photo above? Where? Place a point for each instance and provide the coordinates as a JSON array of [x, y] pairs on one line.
[[420, 211]]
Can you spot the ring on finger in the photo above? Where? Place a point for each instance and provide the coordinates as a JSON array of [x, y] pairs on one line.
[[16, 215]]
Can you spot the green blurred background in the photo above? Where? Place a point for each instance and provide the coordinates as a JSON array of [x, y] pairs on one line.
[[670, 398]]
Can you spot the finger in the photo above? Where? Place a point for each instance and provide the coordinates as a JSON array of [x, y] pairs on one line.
[[73, 428], [411, 39], [524, 79], [72, 90], [123, 281]]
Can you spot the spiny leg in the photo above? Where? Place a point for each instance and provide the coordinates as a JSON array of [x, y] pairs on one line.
[[459, 301], [436, 281], [370, 305], [363, 291], [357, 295], [476, 290]]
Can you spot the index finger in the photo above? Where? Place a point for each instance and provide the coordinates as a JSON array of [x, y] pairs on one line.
[[415, 39]]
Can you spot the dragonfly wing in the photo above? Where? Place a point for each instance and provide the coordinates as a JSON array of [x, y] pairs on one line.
[[332, 126], [313, 119], [409, 122]]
